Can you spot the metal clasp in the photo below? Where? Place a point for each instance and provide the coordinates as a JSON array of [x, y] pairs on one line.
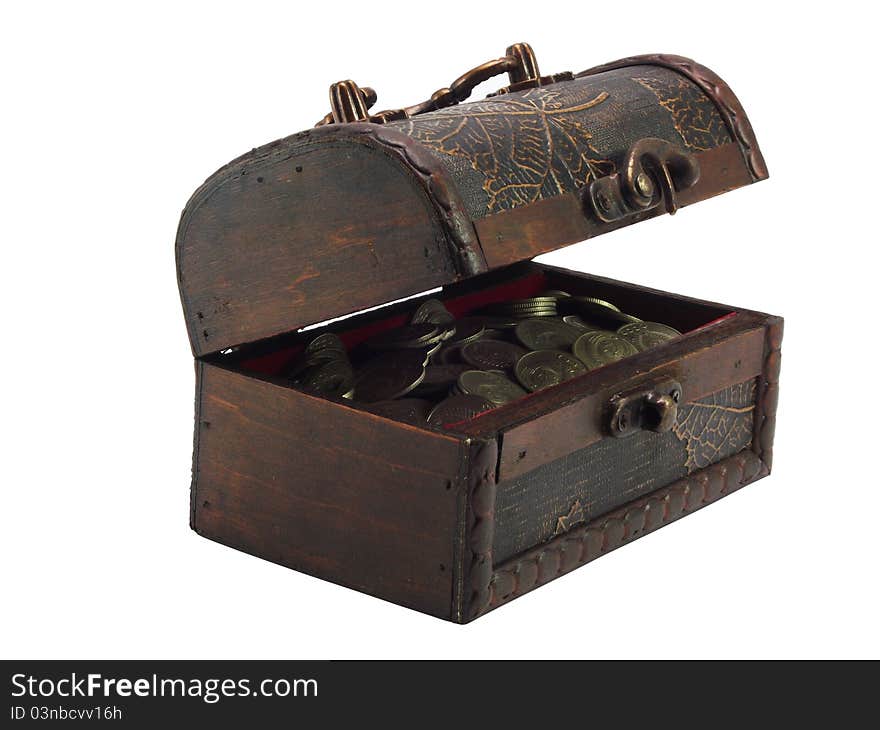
[[652, 409], [651, 173]]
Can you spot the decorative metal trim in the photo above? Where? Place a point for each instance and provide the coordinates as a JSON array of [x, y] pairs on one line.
[[475, 587], [716, 89], [469, 258], [588, 542], [768, 394]]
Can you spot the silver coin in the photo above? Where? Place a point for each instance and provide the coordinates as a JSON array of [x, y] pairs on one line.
[[390, 376], [326, 341], [546, 368], [598, 314], [433, 311], [645, 335], [495, 321], [523, 309], [319, 351], [595, 349], [467, 329], [458, 408], [549, 301], [412, 335], [448, 355], [492, 335], [546, 334], [334, 378], [575, 321], [600, 302], [488, 354], [555, 293], [439, 379], [491, 386], [408, 410]]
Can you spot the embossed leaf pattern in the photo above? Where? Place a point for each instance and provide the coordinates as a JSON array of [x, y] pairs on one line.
[[528, 146], [574, 516], [693, 114], [717, 426]]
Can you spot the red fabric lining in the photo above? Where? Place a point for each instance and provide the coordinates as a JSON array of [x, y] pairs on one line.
[[713, 322]]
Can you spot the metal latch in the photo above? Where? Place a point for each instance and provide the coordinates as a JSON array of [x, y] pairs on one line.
[[651, 409], [651, 173]]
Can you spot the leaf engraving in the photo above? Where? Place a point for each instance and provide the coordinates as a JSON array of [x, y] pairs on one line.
[[528, 146], [693, 114], [575, 515], [717, 426]]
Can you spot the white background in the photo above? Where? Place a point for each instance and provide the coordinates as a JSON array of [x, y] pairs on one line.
[[112, 116]]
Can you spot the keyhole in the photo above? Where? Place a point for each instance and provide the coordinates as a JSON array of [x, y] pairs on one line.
[[652, 416]]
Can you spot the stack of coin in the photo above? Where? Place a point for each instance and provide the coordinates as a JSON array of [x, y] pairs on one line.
[[324, 368], [444, 371], [540, 306]]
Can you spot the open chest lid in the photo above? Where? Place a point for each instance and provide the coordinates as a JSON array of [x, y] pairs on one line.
[[365, 209]]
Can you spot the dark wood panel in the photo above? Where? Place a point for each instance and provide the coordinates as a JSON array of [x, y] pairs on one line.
[[546, 562], [291, 239], [328, 490], [579, 487]]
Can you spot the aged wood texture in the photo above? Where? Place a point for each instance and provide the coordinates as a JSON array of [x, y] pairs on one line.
[[315, 226], [714, 87], [642, 516], [515, 149], [424, 518], [586, 483], [351, 216], [328, 490]]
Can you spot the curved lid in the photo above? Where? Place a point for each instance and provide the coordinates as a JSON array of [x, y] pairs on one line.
[[353, 215]]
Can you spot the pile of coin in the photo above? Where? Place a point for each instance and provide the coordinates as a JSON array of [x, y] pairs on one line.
[[324, 368], [443, 371]]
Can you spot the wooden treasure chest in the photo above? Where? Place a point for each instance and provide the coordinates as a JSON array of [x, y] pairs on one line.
[[391, 395]]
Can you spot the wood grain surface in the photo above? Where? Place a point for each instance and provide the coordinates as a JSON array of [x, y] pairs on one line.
[[328, 490], [288, 239]]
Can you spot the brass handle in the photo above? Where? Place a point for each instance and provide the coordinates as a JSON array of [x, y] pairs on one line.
[[653, 409], [652, 172], [350, 103]]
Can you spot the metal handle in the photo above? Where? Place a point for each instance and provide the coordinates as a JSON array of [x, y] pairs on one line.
[[652, 172], [350, 103], [652, 409]]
